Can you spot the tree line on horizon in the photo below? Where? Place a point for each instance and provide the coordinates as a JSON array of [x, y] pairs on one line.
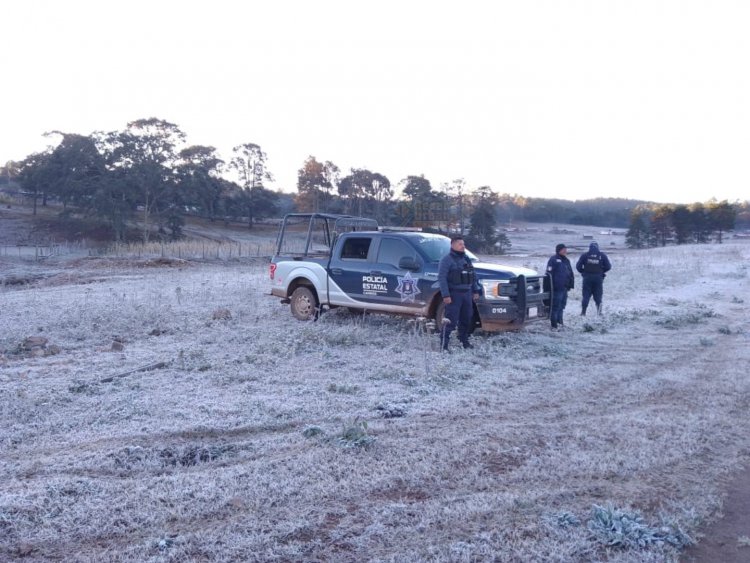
[[146, 174], [661, 224]]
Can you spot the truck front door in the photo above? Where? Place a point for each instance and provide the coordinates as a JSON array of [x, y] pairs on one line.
[[351, 272], [406, 286]]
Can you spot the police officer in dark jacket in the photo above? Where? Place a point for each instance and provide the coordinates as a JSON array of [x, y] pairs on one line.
[[460, 288], [593, 266], [562, 279]]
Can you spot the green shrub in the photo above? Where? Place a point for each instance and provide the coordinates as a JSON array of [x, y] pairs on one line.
[[312, 431], [355, 435], [614, 527], [344, 389]]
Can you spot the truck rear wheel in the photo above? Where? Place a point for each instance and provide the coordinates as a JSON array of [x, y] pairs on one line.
[[304, 305], [440, 315]]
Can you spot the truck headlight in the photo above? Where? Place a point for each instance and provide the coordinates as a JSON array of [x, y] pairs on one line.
[[495, 290]]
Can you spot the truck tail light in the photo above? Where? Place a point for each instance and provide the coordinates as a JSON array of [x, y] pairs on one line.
[[272, 270]]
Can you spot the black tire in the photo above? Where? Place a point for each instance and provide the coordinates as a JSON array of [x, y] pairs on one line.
[[439, 316], [304, 304], [475, 321]]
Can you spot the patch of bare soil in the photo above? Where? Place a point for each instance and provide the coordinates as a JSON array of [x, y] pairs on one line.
[[728, 538]]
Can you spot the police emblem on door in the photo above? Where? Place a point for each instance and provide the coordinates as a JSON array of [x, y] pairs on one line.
[[407, 288]]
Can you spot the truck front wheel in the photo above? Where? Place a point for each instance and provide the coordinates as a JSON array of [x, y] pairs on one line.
[[304, 305]]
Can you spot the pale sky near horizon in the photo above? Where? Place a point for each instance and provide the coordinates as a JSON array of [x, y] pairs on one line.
[[644, 99]]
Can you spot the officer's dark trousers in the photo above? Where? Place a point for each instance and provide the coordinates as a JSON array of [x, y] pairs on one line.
[[593, 285], [559, 299], [459, 312]]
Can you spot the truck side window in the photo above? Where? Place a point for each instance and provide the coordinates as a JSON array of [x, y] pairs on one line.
[[392, 250], [356, 248]]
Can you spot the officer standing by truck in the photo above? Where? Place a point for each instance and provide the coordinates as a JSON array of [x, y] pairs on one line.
[[561, 276], [593, 266], [459, 288]]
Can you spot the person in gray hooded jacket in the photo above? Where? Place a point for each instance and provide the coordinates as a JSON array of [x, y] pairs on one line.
[[593, 266]]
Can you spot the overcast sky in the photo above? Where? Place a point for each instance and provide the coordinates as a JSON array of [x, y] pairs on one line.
[[640, 99]]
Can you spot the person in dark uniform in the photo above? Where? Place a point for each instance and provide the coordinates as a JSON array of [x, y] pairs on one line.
[[563, 280], [459, 288], [593, 266]]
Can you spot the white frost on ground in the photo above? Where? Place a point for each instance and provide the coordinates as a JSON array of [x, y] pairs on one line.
[[260, 438]]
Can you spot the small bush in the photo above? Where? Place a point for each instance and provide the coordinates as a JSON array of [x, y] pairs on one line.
[[344, 389], [686, 317], [391, 411], [193, 455], [567, 520], [614, 527], [356, 436], [312, 431], [84, 387]]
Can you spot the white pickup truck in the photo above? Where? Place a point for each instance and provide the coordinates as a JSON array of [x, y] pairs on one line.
[[345, 261]]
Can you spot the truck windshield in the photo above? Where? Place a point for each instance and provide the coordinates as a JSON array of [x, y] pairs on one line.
[[437, 246]]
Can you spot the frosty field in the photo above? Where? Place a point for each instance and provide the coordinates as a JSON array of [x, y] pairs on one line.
[[177, 413]]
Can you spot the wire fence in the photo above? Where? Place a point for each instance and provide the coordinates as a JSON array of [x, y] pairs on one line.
[[189, 250], [43, 251], [181, 250]]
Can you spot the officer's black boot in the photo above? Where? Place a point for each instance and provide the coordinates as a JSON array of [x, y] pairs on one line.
[[598, 308], [583, 310]]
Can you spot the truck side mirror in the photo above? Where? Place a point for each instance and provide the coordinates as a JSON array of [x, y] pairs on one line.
[[409, 263]]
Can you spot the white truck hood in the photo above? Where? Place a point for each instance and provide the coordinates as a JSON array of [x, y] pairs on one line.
[[489, 267]]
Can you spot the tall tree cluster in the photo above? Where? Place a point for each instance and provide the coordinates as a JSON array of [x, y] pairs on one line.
[[146, 175], [364, 192], [660, 224]]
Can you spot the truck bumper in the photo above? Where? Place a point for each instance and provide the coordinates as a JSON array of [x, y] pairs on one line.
[[507, 316], [525, 304]]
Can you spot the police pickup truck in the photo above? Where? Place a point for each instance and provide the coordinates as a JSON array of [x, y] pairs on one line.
[[323, 261]]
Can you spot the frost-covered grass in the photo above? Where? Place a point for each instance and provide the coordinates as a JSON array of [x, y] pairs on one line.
[[260, 438]]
